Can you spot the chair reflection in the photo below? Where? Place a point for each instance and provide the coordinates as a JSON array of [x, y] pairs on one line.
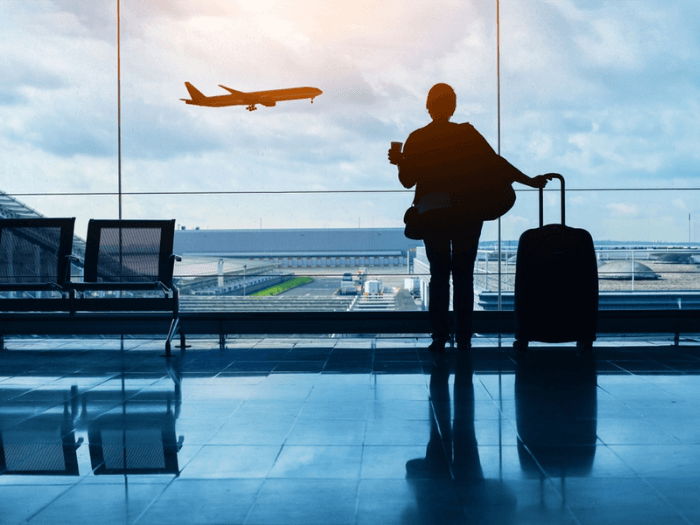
[[138, 437], [129, 431], [126, 445], [44, 445], [556, 413]]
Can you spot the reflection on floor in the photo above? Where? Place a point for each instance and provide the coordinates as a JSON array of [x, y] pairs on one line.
[[349, 431]]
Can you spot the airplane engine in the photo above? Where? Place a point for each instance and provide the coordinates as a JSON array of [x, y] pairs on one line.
[[268, 103]]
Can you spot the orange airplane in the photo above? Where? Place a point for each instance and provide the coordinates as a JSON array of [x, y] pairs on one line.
[[238, 98]]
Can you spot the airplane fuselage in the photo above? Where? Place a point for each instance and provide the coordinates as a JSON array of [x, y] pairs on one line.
[[251, 99], [217, 101]]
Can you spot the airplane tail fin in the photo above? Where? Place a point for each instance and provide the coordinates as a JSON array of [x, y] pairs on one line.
[[194, 92]]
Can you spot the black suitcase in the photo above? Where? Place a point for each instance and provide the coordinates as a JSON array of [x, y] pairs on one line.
[[556, 284]]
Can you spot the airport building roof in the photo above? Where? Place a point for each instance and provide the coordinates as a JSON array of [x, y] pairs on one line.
[[11, 208], [294, 242]]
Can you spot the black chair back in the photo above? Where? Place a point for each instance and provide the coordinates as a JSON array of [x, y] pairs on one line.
[[35, 251], [129, 251]]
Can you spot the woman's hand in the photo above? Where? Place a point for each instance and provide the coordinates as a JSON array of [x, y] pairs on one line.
[[540, 181], [395, 156]]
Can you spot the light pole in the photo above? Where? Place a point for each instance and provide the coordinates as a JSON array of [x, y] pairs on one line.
[[244, 268]]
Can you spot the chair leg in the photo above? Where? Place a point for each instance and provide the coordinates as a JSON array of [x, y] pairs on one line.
[[173, 327], [183, 341]]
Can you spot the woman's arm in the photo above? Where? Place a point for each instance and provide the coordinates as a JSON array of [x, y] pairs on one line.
[[540, 181]]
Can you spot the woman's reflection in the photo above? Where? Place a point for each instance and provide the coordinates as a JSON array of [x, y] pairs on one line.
[[556, 411], [452, 451]]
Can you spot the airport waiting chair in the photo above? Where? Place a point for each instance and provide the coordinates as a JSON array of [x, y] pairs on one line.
[[124, 259], [35, 257]]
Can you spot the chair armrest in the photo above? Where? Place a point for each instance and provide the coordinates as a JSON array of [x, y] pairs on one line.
[[171, 271], [70, 259]]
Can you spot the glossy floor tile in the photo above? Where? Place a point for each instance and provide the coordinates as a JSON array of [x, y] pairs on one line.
[[349, 431]]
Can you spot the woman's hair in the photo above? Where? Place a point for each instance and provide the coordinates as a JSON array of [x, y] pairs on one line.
[[442, 101]]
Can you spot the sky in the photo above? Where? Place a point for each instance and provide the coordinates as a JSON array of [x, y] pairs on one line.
[[607, 93]]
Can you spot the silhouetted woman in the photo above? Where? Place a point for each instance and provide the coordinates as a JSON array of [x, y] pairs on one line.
[[442, 159]]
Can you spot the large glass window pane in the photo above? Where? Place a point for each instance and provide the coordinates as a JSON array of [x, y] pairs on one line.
[[605, 94]]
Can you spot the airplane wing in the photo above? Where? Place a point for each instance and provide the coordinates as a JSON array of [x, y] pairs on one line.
[[234, 92]]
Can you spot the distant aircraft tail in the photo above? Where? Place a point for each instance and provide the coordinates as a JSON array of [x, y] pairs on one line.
[[194, 92]]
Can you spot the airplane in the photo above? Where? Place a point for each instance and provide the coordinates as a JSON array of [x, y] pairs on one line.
[[238, 98]]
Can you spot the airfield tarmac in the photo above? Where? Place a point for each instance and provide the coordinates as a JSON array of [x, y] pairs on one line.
[[327, 280], [671, 277]]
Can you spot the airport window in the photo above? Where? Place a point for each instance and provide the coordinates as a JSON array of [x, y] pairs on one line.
[[292, 189]]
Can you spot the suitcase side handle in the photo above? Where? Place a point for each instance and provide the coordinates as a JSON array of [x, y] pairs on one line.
[[551, 176]]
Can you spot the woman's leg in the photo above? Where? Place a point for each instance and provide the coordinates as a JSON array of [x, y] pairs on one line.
[[465, 244], [437, 249]]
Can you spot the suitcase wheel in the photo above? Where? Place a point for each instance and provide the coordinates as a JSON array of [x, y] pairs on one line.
[[585, 346]]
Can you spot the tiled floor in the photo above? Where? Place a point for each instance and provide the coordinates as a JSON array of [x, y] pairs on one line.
[[349, 431]]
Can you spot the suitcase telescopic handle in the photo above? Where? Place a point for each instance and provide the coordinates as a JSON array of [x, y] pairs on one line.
[[551, 176]]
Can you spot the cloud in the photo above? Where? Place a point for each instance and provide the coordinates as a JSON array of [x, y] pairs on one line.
[[158, 132], [604, 92], [622, 208], [18, 80], [680, 204], [98, 18]]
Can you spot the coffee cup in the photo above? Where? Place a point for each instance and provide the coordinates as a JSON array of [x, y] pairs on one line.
[[396, 146]]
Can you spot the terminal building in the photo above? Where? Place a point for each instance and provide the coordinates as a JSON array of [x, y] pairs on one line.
[[302, 248]]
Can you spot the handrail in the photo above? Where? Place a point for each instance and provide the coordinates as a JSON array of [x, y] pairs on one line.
[[222, 324], [308, 192]]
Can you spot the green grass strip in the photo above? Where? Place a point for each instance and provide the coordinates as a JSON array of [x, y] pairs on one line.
[[283, 287]]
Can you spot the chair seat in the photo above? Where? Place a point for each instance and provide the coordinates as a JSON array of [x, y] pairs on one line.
[[126, 286], [32, 287]]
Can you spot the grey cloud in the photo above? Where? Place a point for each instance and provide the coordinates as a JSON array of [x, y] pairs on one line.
[[99, 17], [356, 94], [15, 76], [148, 132], [10, 96], [157, 132], [67, 137], [16, 73], [366, 126]]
